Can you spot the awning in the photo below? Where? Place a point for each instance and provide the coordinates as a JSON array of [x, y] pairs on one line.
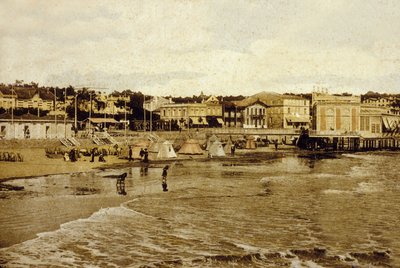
[[297, 119], [195, 121], [103, 120], [385, 122], [220, 121], [391, 122]]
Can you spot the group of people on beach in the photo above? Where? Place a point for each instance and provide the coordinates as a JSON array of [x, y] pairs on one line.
[[143, 154], [120, 184]]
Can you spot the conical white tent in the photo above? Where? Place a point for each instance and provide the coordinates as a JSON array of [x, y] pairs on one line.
[[155, 146], [210, 141], [216, 149], [166, 150]]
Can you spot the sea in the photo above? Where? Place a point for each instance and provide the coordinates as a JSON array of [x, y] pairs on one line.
[[257, 210]]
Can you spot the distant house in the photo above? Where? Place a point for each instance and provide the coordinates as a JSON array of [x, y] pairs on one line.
[[255, 115], [208, 112], [32, 127], [154, 103], [26, 97], [283, 111]]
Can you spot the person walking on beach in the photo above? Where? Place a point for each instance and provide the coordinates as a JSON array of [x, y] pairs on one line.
[[146, 156], [233, 147], [164, 178], [101, 158], [92, 154], [141, 153], [276, 144], [130, 154]]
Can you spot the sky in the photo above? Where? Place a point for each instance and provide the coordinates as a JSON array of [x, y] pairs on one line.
[[186, 47]]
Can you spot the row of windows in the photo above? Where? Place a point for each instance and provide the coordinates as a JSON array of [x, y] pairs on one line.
[[182, 112], [375, 128], [258, 121], [297, 110], [255, 111], [364, 123]]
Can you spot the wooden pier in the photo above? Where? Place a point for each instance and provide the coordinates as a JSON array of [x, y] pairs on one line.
[[348, 142]]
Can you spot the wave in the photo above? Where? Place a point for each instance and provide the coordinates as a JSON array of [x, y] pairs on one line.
[[335, 191], [366, 188]]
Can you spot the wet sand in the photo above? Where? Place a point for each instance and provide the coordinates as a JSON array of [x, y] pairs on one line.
[[50, 183], [259, 209]]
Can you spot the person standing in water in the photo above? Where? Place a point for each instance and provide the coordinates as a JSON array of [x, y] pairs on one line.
[[164, 178], [146, 156], [130, 154]]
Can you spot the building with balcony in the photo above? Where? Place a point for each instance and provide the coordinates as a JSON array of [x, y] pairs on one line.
[[281, 111], [255, 115]]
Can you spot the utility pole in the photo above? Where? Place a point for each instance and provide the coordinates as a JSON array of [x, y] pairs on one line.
[[65, 113], [12, 108], [76, 112], [125, 117], [235, 116], [55, 112], [144, 112], [151, 119], [38, 111], [90, 115]]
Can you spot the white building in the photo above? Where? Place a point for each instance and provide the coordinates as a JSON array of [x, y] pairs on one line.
[[33, 127]]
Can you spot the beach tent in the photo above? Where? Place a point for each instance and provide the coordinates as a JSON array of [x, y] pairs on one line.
[[190, 146], [179, 141], [166, 150], [155, 146], [216, 149], [228, 146], [250, 142], [210, 141]]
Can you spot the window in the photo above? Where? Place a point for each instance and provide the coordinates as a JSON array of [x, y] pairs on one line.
[[305, 110], [288, 110]]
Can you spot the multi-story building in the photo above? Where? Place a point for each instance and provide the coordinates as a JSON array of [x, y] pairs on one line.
[[372, 120], [386, 102], [336, 115], [196, 113], [281, 111], [103, 104], [232, 114], [255, 115], [26, 97], [381, 102], [154, 103]]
